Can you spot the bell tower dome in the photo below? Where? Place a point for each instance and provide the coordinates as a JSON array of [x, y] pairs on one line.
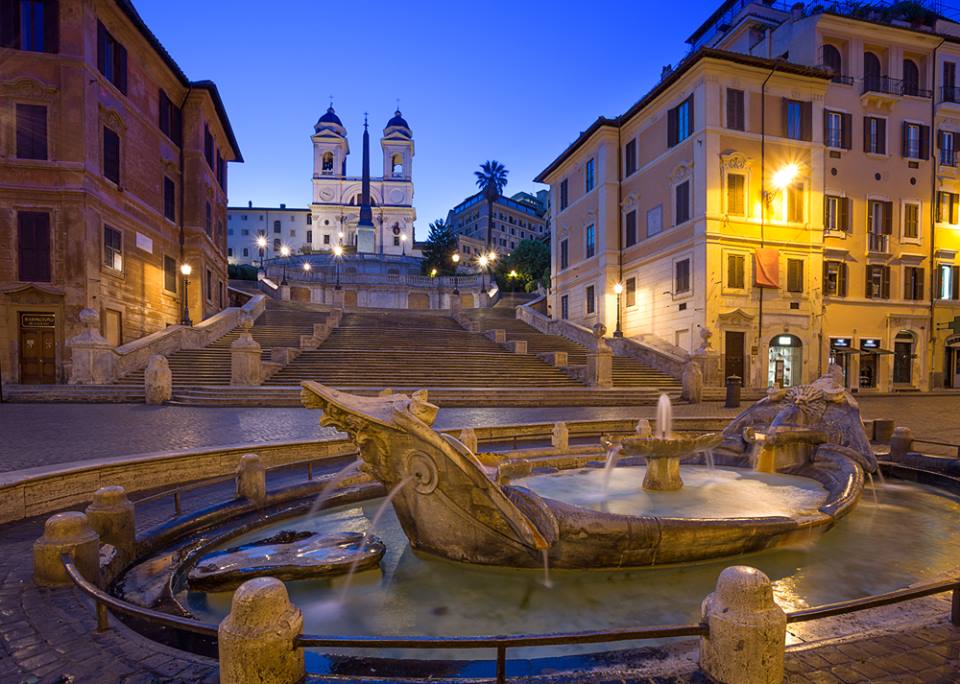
[[330, 146], [397, 146]]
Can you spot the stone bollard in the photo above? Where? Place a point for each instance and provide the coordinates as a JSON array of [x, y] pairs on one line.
[[883, 430], [251, 478], [600, 368], [901, 443], [517, 346], [560, 436], [112, 516], [692, 382], [68, 533], [468, 437], [93, 360], [256, 641], [158, 380], [498, 335], [246, 366], [747, 629]]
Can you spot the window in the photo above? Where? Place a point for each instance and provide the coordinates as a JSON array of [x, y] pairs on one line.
[[735, 114], [878, 282], [836, 213], [912, 283], [735, 271], [564, 307], [171, 119], [396, 240], [872, 73], [948, 282], [947, 142], [757, 35], [654, 220], [170, 274], [33, 246], [681, 277], [222, 172], [874, 135], [947, 203], [836, 129], [209, 286], [208, 146], [795, 203], [915, 141], [589, 175], [112, 248], [246, 251], [795, 275], [794, 119], [630, 158], [276, 227], [879, 225], [208, 219], [950, 82], [326, 239], [911, 77], [680, 122], [31, 131], [591, 235], [911, 221], [590, 299], [631, 292], [835, 278], [564, 254], [832, 60], [111, 155], [169, 199], [631, 229], [29, 25], [309, 237], [736, 194], [309, 219], [682, 203], [111, 58]]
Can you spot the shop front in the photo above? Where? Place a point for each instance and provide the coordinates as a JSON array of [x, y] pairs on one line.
[[786, 361], [841, 353]]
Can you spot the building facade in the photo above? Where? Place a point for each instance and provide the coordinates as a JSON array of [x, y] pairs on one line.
[[789, 212], [113, 174], [283, 225], [517, 218]]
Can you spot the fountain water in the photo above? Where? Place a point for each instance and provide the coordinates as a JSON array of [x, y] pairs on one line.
[[330, 485], [547, 582], [664, 417]]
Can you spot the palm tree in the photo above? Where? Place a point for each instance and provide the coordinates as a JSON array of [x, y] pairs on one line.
[[491, 179]]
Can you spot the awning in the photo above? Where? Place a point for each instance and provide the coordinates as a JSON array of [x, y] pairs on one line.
[[878, 350]]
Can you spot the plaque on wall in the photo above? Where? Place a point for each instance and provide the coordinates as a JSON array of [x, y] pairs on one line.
[[38, 320]]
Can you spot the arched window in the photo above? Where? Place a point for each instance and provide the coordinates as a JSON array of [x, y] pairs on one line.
[[358, 200], [327, 162], [276, 227], [872, 78], [832, 60], [911, 77], [397, 162]]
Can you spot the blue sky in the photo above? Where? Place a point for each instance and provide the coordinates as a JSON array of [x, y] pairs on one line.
[[512, 81]]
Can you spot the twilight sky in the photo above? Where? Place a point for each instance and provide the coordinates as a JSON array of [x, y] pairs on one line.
[[512, 81]]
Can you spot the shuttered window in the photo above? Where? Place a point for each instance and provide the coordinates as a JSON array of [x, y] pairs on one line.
[[590, 297], [835, 278], [735, 110], [735, 271], [911, 220], [171, 119], [681, 276], [915, 141], [794, 275], [630, 158], [630, 229], [564, 254], [948, 282], [836, 213], [208, 146], [112, 248], [874, 135], [169, 274], [680, 122], [795, 203], [878, 282], [32, 25], [111, 58], [797, 119], [631, 291], [111, 155], [947, 205], [169, 199], [682, 205], [736, 194], [31, 131], [564, 199], [912, 283], [33, 246], [837, 129]]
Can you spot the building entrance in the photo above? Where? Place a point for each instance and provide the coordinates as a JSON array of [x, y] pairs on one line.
[[786, 361], [38, 348]]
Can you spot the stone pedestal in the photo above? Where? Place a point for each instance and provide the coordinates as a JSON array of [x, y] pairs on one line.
[[560, 436], [692, 382], [256, 641], [747, 629], [245, 361], [111, 515], [251, 478], [455, 304], [498, 335], [92, 357], [663, 475], [469, 438], [158, 380], [339, 297], [66, 533], [285, 293], [517, 346], [901, 443], [600, 368], [557, 359]]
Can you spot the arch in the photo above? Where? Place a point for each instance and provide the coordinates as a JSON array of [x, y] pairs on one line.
[[350, 298], [872, 75], [327, 163], [832, 59], [911, 77], [786, 361], [418, 300], [300, 294], [396, 164]]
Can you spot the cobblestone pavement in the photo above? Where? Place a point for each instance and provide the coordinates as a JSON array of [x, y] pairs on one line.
[[44, 434]]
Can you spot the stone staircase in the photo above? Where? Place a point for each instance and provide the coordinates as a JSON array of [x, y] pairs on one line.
[[627, 372]]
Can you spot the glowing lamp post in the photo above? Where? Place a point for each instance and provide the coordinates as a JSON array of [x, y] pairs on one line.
[[284, 252], [618, 288], [337, 256], [403, 243], [456, 276], [262, 246], [306, 267], [483, 261], [186, 270]]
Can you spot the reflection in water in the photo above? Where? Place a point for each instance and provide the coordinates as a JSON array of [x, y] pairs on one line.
[[417, 594]]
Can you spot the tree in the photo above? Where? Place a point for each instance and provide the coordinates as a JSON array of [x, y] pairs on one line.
[[491, 179], [526, 267], [439, 248]]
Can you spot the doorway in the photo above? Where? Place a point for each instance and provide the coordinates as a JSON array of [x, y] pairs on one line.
[[952, 366], [350, 298], [733, 358], [38, 348], [903, 353], [786, 361]]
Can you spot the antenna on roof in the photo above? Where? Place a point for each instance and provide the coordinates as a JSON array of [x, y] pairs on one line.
[[331, 102]]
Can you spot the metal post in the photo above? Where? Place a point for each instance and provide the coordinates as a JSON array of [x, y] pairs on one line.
[[176, 502], [103, 622], [337, 261], [186, 302], [955, 608], [310, 470], [501, 664], [618, 332]]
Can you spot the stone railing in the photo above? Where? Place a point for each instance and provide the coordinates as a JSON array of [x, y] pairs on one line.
[[322, 277], [548, 326]]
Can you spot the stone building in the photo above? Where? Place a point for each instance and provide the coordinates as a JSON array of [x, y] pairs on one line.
[[283, 225], [113, 173], [521, 217], [787, 193]]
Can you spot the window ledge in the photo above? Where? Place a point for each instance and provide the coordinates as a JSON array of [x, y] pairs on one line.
[[876, 155], [841, 234], [910, 241]]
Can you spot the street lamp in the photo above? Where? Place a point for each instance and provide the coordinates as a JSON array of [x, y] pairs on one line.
[[456, 276], [306, 267], [433, 273], [618, 288], [483, 270], [262, 246], [337, 254], [186, 270], [403, 243], [284, 252], [340, 236]]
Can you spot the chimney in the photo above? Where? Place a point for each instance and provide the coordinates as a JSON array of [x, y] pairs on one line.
[[283, 206], [250, 204], [796, 11], [665, 71]]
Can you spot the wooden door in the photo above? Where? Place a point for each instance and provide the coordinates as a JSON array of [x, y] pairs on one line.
[[733, 348], [350, 298], [38, 349]]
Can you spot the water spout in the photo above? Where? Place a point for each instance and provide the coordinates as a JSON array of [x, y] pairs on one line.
[[330, 485], [613, 455], [664, 416], [547, 582]]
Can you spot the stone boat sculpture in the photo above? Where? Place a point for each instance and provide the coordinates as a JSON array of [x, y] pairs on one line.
[[451, 505]]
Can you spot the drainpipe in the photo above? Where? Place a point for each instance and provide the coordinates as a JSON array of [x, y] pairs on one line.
[[763, 192], [182, 203], [619, 218], [934, 161]]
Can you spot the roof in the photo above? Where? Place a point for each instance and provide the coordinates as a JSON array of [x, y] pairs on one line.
[[126, 6], [276, 209], [684, 66], [330, 117], [398, 120]]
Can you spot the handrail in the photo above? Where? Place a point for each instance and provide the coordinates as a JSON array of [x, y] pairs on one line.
[[879, 600]]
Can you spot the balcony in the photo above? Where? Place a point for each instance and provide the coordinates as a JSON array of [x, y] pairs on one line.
[[950, 94], [880, 91], [878, 243]]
